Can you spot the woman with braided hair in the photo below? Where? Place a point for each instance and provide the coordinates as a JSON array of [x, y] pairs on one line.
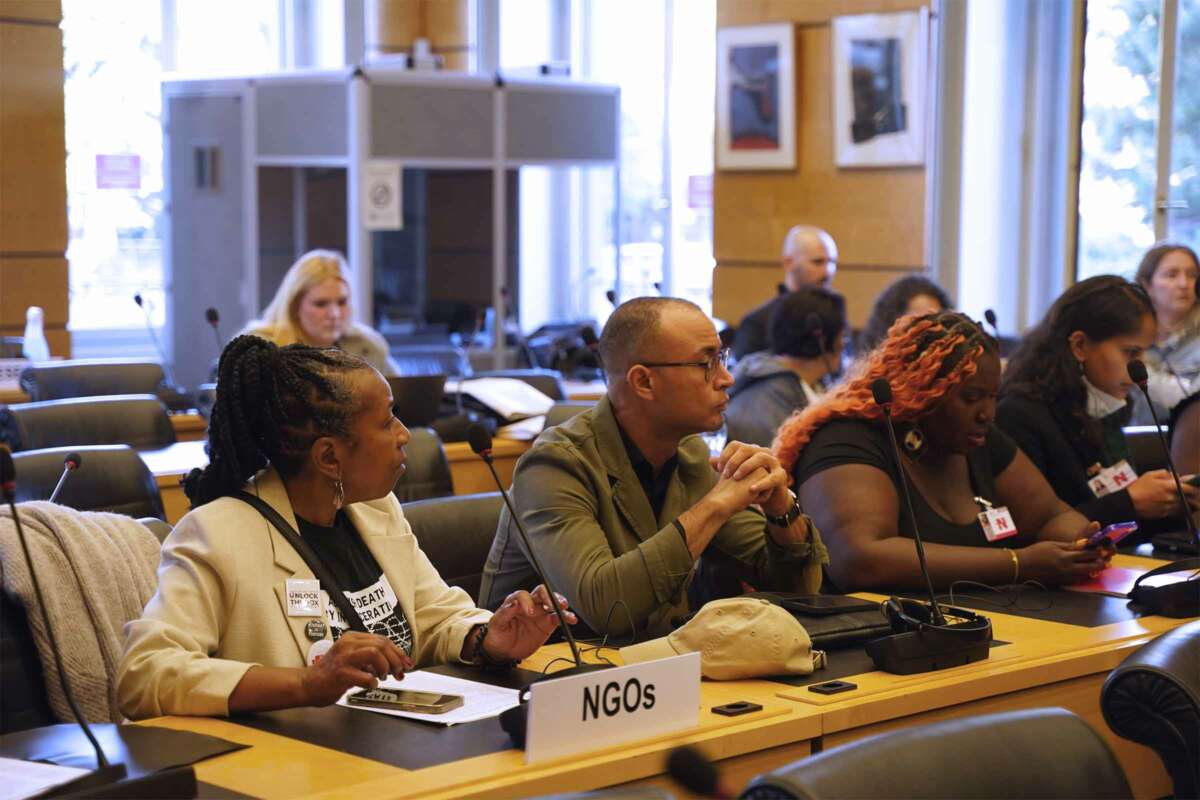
[[944, 371], [239, 621]]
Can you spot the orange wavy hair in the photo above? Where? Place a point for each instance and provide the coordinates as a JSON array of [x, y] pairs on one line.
[[923, 357]]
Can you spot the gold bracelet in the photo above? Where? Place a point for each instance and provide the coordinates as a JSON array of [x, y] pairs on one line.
[[1016, 564]]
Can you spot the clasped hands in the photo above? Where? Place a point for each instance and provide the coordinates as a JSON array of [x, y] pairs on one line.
[[752, 475], [518, 628]]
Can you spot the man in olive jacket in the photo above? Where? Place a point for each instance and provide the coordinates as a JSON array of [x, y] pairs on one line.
[[621, 500]]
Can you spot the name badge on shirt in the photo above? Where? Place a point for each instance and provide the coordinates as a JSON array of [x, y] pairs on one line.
[[997, 523], [1113, 479], [303, 598]]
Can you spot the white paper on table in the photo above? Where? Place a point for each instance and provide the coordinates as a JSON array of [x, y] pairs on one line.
[[512, 399], [480, 701], [29, 778], [524, 431]]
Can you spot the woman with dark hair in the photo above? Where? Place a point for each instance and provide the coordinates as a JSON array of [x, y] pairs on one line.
[[239, 623], [1065, 399], [1170, 274], [984, 511], [912, 294]]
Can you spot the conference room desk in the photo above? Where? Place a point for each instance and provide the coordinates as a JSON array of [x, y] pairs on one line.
[[469, 473], [584, 390], [1040, 663]]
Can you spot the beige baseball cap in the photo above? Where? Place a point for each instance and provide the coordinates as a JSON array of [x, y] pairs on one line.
[[739, 637]]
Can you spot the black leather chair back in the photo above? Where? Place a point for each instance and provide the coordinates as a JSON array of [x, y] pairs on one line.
[[1044, 752], [547, 381], [58, 380], [456, 533], [431, 359], [428, 472], [23, 702], [1153, 698], [110, 478], [561, 412], [138, 420]]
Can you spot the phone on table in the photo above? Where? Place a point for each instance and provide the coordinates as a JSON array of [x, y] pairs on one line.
[[1112, 533], [404, 700]]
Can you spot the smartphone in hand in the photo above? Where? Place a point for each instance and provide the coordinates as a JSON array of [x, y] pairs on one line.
[[1112, 533]]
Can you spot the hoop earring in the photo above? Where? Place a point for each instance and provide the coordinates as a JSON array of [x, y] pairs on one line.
[[339, 494], [914, 442]]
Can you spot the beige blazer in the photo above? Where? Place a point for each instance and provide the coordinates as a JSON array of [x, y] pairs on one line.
[[221, 603]]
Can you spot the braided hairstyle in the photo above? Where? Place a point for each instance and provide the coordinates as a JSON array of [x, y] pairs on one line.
[[923, 357], [272, 404]]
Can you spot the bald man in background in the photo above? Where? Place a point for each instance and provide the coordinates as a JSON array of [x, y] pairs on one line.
[[809, 259]]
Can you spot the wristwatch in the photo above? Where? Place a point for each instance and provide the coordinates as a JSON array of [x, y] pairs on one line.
[[785, 519]]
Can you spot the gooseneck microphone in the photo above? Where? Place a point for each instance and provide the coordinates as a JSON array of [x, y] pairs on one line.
[[105, 772], [990, 317], [162, 354], [214, 319], [481, 442], [881, 391], [922, 640], [72, 462], [1137, 374]]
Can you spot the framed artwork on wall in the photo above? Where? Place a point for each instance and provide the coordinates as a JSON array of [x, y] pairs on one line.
[[879, 88], [756, 97]]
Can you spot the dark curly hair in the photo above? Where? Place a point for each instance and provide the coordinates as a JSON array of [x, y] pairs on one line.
[[789, 331], [892, 303], [1044, 370], [272, 404]]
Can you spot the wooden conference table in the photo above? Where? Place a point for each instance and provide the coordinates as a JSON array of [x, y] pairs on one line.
[[1041, 663]]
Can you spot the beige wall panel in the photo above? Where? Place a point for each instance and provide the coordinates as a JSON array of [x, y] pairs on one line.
[[32, 10], [28, 282], [875, 215], [802, 12], [737, 289], [33, 189]]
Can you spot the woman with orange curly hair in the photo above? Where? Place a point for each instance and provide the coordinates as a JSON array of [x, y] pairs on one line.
[[945, 374]]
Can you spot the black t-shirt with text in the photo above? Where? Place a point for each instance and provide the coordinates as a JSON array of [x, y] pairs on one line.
[[360, 578]]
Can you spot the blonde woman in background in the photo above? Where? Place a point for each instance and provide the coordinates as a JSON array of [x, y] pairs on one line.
[[312, 307]]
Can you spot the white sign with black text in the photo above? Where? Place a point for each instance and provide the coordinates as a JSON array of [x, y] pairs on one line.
[[382, 200], [605, 708]]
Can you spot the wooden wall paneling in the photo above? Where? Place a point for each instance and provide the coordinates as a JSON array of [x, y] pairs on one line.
[[28, 282], [33, 187], [875, 215], [59, 338], [31, 10]]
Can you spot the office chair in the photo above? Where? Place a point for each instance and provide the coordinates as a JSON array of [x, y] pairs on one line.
[[110, 478], [1153, 698], [58, 380], [456, 534], [427, 472], [1042, 752], [138, 420], [561, 412]]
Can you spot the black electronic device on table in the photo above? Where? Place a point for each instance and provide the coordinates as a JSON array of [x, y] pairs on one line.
[[924, 637], [416, 399]]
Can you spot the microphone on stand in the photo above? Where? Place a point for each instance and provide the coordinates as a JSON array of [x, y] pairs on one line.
[[990, 317], [922, 639], [214, 319], [1137, 374], [72, 462], [481, 442], [172, 394], [108, 777], [514, 721]]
